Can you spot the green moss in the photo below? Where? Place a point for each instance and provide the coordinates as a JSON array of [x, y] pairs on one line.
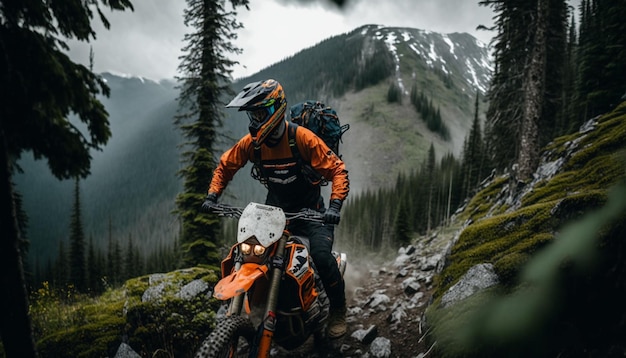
[[507, 240], [606, 140], [94, 327], [482, 202], [89, 340], [174, 325], [448, 326]]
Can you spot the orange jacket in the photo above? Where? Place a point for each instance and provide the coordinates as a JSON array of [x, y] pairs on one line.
[[312, 149]]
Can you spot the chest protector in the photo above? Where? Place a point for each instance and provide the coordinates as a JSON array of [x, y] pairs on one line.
[[292, 184]]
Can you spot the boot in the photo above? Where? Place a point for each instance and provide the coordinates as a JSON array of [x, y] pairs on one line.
[[337, 325]]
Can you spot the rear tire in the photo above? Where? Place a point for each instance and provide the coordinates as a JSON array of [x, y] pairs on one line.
[[232, 337]]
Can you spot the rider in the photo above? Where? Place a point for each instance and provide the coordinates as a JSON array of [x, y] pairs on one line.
[[288, 188]]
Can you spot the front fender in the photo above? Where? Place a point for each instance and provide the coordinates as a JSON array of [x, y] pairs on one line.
[[239, 281]]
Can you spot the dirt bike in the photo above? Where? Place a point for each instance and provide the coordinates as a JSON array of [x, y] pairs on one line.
[[272, 291]]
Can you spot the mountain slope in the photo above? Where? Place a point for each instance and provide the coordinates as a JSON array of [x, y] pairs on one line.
[[133, 184]]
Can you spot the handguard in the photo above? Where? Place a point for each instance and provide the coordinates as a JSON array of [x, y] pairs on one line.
[[239, 281]]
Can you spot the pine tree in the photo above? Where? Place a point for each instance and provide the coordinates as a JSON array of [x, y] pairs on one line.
[[111, 278], [473, 157], [534, 86], [394, 93], [602, 70], [77, 244], [206, 76], [94, 269], [61, 268], [556, 39], [402, 233], [430, 168], [118, 269], [566, 118], [525, 91], [132, 260], [505, 88]]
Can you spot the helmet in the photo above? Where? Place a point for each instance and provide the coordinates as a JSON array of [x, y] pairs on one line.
[[265, 104]]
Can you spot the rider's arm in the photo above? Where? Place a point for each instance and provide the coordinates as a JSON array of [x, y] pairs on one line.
[[325, 161], [230, 162]]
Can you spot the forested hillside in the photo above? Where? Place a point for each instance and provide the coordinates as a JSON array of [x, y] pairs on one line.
[[133, 182]]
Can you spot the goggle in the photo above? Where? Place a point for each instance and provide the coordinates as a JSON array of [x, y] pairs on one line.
[[248, 249], [261, 114]]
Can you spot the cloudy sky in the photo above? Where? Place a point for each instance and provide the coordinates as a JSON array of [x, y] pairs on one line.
[[147, 42]]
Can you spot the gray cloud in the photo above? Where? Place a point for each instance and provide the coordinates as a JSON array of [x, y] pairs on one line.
[[148, 41]]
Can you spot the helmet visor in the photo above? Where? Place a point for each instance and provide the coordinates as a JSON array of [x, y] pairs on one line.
[[259, 116]]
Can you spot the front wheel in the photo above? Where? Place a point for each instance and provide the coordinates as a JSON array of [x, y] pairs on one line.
[[232, 337]]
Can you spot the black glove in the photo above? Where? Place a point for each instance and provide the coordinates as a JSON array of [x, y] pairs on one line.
[[331, 216], [210, 202]]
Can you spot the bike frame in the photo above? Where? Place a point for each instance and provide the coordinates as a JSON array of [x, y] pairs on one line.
[[263, 346], [269, 320]]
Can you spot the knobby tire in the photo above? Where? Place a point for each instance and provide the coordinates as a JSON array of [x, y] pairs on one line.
[[225, 340]]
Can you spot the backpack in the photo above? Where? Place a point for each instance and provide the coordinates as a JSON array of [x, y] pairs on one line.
[[321, 120]]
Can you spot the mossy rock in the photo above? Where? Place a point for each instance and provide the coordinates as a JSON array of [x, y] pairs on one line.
[[167, 324], [97, 339]]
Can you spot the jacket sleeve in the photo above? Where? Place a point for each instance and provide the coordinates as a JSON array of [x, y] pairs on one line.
[[230, 162], [324, 161]]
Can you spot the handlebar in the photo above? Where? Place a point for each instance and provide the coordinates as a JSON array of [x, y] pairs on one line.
[[306, 214]]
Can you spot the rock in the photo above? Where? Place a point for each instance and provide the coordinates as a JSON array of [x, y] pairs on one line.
[[125, 351], [409, 250], [344, 348], [192, 289], [153, 293], [401, 260], [477, 278], [414, 302], [402, 273], [377, 300], [397, 312], [410, 285], [381, 347], [431, 262], [365, 335], [156, 278]]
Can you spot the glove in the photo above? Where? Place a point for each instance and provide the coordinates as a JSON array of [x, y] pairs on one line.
[[210, 202], [331, 216]]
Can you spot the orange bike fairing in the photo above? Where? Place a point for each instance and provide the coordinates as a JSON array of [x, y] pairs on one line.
[[239, 281]]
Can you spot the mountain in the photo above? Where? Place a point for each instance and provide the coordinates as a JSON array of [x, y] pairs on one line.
[[388, 138], [131, 191]]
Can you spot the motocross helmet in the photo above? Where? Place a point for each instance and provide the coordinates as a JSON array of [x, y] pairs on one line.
[[265, 103]]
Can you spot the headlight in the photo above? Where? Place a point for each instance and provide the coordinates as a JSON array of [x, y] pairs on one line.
[[248, 249], [259, 250]]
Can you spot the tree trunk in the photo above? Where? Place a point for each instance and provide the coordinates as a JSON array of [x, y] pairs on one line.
[[534, 83], [15, 327]]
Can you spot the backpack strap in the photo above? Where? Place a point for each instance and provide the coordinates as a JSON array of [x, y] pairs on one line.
[[310, 174], [256, 172], [293, 145]]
